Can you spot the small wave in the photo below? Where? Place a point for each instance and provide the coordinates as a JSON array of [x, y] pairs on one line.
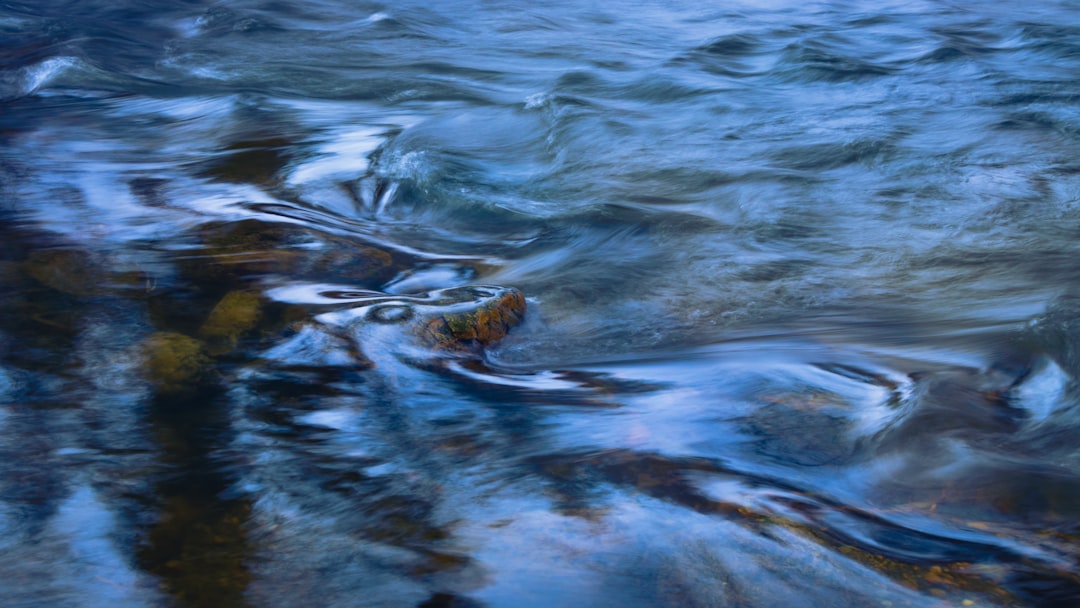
[[731, 46], [542, 382], [320, 293], [221, 20], [438, 276], [735, 55], [810, 61], [343, 156], [826, 156]]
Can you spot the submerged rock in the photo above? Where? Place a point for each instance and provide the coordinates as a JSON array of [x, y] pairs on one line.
[[256, 162], [253, 248], [174, 363], [71, 271], [234, 315]]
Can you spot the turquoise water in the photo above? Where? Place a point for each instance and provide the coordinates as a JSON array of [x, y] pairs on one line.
[[801, 304]]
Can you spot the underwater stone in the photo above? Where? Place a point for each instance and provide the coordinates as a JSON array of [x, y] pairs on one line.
[[69, 271], [174, 363], [357, 262], [256, 162], [234, 315], [252, 247]]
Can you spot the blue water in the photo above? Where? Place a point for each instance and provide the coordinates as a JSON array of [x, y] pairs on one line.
[[802, 318]]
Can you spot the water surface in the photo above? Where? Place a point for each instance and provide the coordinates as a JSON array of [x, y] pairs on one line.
[[802, 303]]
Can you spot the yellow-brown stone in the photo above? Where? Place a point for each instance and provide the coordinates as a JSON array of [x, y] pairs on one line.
[[234, 315], [174, 363]]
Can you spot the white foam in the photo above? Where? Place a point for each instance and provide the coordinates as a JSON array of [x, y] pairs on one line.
[[540, 381], [537, 100], [30, 79], [341, 420], [1043, 392]]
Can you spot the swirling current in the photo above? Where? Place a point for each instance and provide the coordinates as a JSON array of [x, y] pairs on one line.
[[493, 303]]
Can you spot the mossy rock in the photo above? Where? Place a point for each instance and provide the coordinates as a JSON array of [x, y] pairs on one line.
[[174, 364], [234, 315]]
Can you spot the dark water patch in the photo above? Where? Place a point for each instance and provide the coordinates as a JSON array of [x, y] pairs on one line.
[[198, 545], [734, 45], [252, 162], [1043, 591]]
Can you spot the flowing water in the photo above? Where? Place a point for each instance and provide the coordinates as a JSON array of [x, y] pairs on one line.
[[801, 303]]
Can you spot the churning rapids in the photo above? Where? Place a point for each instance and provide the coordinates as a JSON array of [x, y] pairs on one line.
[[484, 303]]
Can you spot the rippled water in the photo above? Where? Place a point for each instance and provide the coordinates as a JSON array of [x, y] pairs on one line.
[[800, 323]]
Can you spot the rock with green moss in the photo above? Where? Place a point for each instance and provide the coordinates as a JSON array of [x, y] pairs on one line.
[[174, 364], [235, 315]]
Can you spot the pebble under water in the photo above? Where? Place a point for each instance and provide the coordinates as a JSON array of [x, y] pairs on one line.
[[488, 303]]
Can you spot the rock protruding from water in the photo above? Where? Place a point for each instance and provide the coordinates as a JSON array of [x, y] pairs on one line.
[[472, 317]]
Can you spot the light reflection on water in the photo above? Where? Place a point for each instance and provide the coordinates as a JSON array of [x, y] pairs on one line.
[[800, 321]]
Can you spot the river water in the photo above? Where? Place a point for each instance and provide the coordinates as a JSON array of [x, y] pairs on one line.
[[802, 293]]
